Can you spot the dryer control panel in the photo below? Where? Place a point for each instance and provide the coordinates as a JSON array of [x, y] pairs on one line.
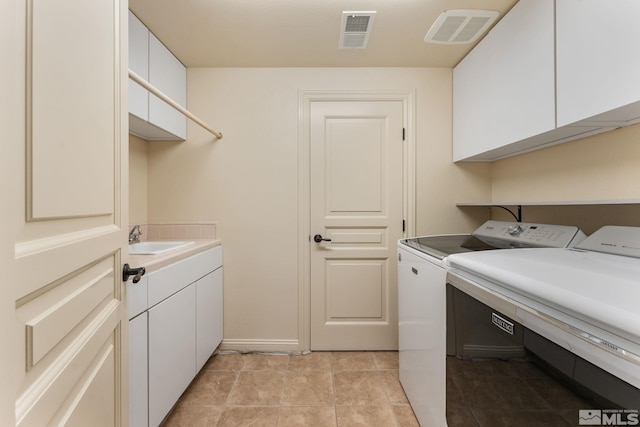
[[506, 234], [614, 239]]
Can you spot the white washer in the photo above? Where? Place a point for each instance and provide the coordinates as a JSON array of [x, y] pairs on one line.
[[422, 313], [586, 300]]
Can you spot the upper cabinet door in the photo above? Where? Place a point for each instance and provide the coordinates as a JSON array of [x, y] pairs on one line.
[[149, 117], [504, 90], [139, 64], [168, 75], [598, 67]]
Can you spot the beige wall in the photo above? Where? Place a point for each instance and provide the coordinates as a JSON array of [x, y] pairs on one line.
[[137, 180], [248, 181], [601, 167]]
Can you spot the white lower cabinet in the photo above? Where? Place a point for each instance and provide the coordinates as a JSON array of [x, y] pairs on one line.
[[138, 368], [172, 351], [172, 340], [208, 316]]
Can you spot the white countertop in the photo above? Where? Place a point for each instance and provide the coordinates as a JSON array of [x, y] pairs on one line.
[[156, 262]]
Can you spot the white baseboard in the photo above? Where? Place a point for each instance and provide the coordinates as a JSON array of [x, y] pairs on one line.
[[266, 346]]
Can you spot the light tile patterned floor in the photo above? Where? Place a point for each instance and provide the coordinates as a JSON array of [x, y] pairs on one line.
[[338, 389]]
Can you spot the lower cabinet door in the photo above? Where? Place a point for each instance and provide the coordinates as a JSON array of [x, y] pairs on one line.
[[208, 315], [172, 344], [138, 397]]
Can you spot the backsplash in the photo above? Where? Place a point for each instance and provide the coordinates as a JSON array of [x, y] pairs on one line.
[[178, 231]]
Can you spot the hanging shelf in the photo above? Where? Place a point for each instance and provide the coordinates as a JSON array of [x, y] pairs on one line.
[[519, 205], [556, 203]]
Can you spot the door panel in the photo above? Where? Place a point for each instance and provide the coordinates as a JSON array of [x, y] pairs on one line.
[[61, 79], [354, 186], [58, 382], [354, 289], [356, 201], [68, 340], [52, 315], [97, 386]]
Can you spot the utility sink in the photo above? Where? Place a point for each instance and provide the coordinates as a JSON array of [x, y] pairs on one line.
[[155, 248]]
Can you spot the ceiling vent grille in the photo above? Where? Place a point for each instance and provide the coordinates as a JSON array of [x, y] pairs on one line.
[[460, 26], [355, 29]]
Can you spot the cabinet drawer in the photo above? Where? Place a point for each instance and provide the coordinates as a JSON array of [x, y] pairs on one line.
[[169, 280]]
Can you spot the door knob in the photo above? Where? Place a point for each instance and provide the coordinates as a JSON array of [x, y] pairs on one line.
[[137, 273], [318, 238]]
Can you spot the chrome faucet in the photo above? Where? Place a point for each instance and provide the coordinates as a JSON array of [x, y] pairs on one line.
[[134, 234]]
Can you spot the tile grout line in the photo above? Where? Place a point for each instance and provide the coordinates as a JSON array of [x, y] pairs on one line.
[[333, 387], [284, 386]]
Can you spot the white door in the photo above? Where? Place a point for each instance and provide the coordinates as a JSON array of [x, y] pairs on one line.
[[356, 201], [63, 229]]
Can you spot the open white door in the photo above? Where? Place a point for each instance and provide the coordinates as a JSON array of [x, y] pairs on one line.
[[63, 226]]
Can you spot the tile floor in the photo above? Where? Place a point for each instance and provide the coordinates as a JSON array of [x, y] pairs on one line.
[[337, 389]]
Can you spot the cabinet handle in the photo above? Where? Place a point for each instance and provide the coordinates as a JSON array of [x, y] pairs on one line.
[[136, 272]]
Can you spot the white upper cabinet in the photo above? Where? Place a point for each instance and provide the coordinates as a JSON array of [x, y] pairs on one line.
[[170, 76], [149, 117], [139, 64], [598, 66], [549, 72], [504, 88]]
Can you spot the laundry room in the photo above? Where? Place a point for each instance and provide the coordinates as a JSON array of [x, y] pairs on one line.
[[266, 160]]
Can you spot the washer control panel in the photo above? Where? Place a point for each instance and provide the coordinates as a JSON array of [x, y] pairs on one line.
[[508, 234]]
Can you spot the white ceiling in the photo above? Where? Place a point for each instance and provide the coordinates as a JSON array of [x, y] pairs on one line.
[[302, 33]]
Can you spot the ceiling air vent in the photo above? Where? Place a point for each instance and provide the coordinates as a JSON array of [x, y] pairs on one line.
[[460, 26], [355, 29]]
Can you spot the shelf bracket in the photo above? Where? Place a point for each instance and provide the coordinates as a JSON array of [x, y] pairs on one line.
[[518, 217]]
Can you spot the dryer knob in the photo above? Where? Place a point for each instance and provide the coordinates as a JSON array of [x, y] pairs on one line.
[[514, 229]]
